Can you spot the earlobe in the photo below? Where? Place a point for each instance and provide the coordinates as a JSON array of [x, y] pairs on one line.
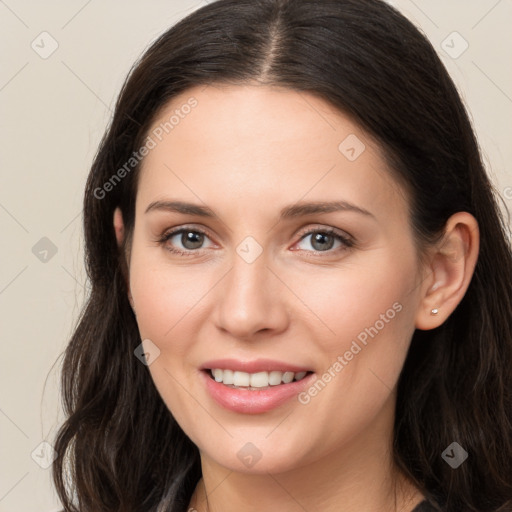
[[452, 265], [119, 226]]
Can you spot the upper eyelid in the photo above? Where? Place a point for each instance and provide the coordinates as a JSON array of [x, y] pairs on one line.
[[175, 231], [301, 232], [331, 230]]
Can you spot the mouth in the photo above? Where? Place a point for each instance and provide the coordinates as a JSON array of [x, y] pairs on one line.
[[257, 381], [254, 386], [255, 393]]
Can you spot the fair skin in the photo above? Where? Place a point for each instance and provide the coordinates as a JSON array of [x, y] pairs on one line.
[[247, 152]]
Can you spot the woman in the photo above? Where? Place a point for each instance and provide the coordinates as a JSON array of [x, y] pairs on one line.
[[301, 281]]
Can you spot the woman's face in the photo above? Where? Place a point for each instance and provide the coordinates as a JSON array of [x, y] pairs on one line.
[[270, 278]]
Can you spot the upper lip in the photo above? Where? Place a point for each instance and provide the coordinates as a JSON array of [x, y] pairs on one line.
[[254, 366]]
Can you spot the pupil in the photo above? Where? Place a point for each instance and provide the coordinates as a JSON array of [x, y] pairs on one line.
[[191, 240], [321, 238]]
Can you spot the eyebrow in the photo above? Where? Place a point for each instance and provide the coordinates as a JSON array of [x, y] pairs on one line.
[[303, 209], [289, 212]]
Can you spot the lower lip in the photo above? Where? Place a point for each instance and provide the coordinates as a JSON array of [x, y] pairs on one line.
[[254, 401]]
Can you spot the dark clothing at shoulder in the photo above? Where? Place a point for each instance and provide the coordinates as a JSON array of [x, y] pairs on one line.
[[425, 506]]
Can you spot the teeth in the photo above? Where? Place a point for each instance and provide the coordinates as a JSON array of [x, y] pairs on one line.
[[274, 378], [259, 380], [255, 380], [227, 376], [288, 377], [240, 379]]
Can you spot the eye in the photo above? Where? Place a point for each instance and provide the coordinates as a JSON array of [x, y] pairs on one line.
[[187, 241], [190, 240], [323, 240]]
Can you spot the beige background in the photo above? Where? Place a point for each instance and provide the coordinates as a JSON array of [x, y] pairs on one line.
[[53, 113]]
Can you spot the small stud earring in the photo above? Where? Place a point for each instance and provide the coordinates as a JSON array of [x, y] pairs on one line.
[[434, 311]]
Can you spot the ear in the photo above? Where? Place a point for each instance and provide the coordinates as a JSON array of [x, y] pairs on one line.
[[451, 267], [120, 234], [119, 226]]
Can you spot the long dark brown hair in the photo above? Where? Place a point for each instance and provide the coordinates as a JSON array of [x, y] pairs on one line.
[[120, 448]]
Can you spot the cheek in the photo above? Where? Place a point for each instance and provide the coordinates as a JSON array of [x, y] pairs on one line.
[[363, 302], [369, 311], [164, 295], [372, 316], [167, 300]]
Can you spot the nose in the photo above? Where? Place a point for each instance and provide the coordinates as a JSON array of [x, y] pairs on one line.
[[251, 300]]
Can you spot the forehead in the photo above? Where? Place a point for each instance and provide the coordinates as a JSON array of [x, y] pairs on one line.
[[253, 142]]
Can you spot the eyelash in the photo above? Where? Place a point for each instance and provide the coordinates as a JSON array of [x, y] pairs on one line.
[[346, 241]]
